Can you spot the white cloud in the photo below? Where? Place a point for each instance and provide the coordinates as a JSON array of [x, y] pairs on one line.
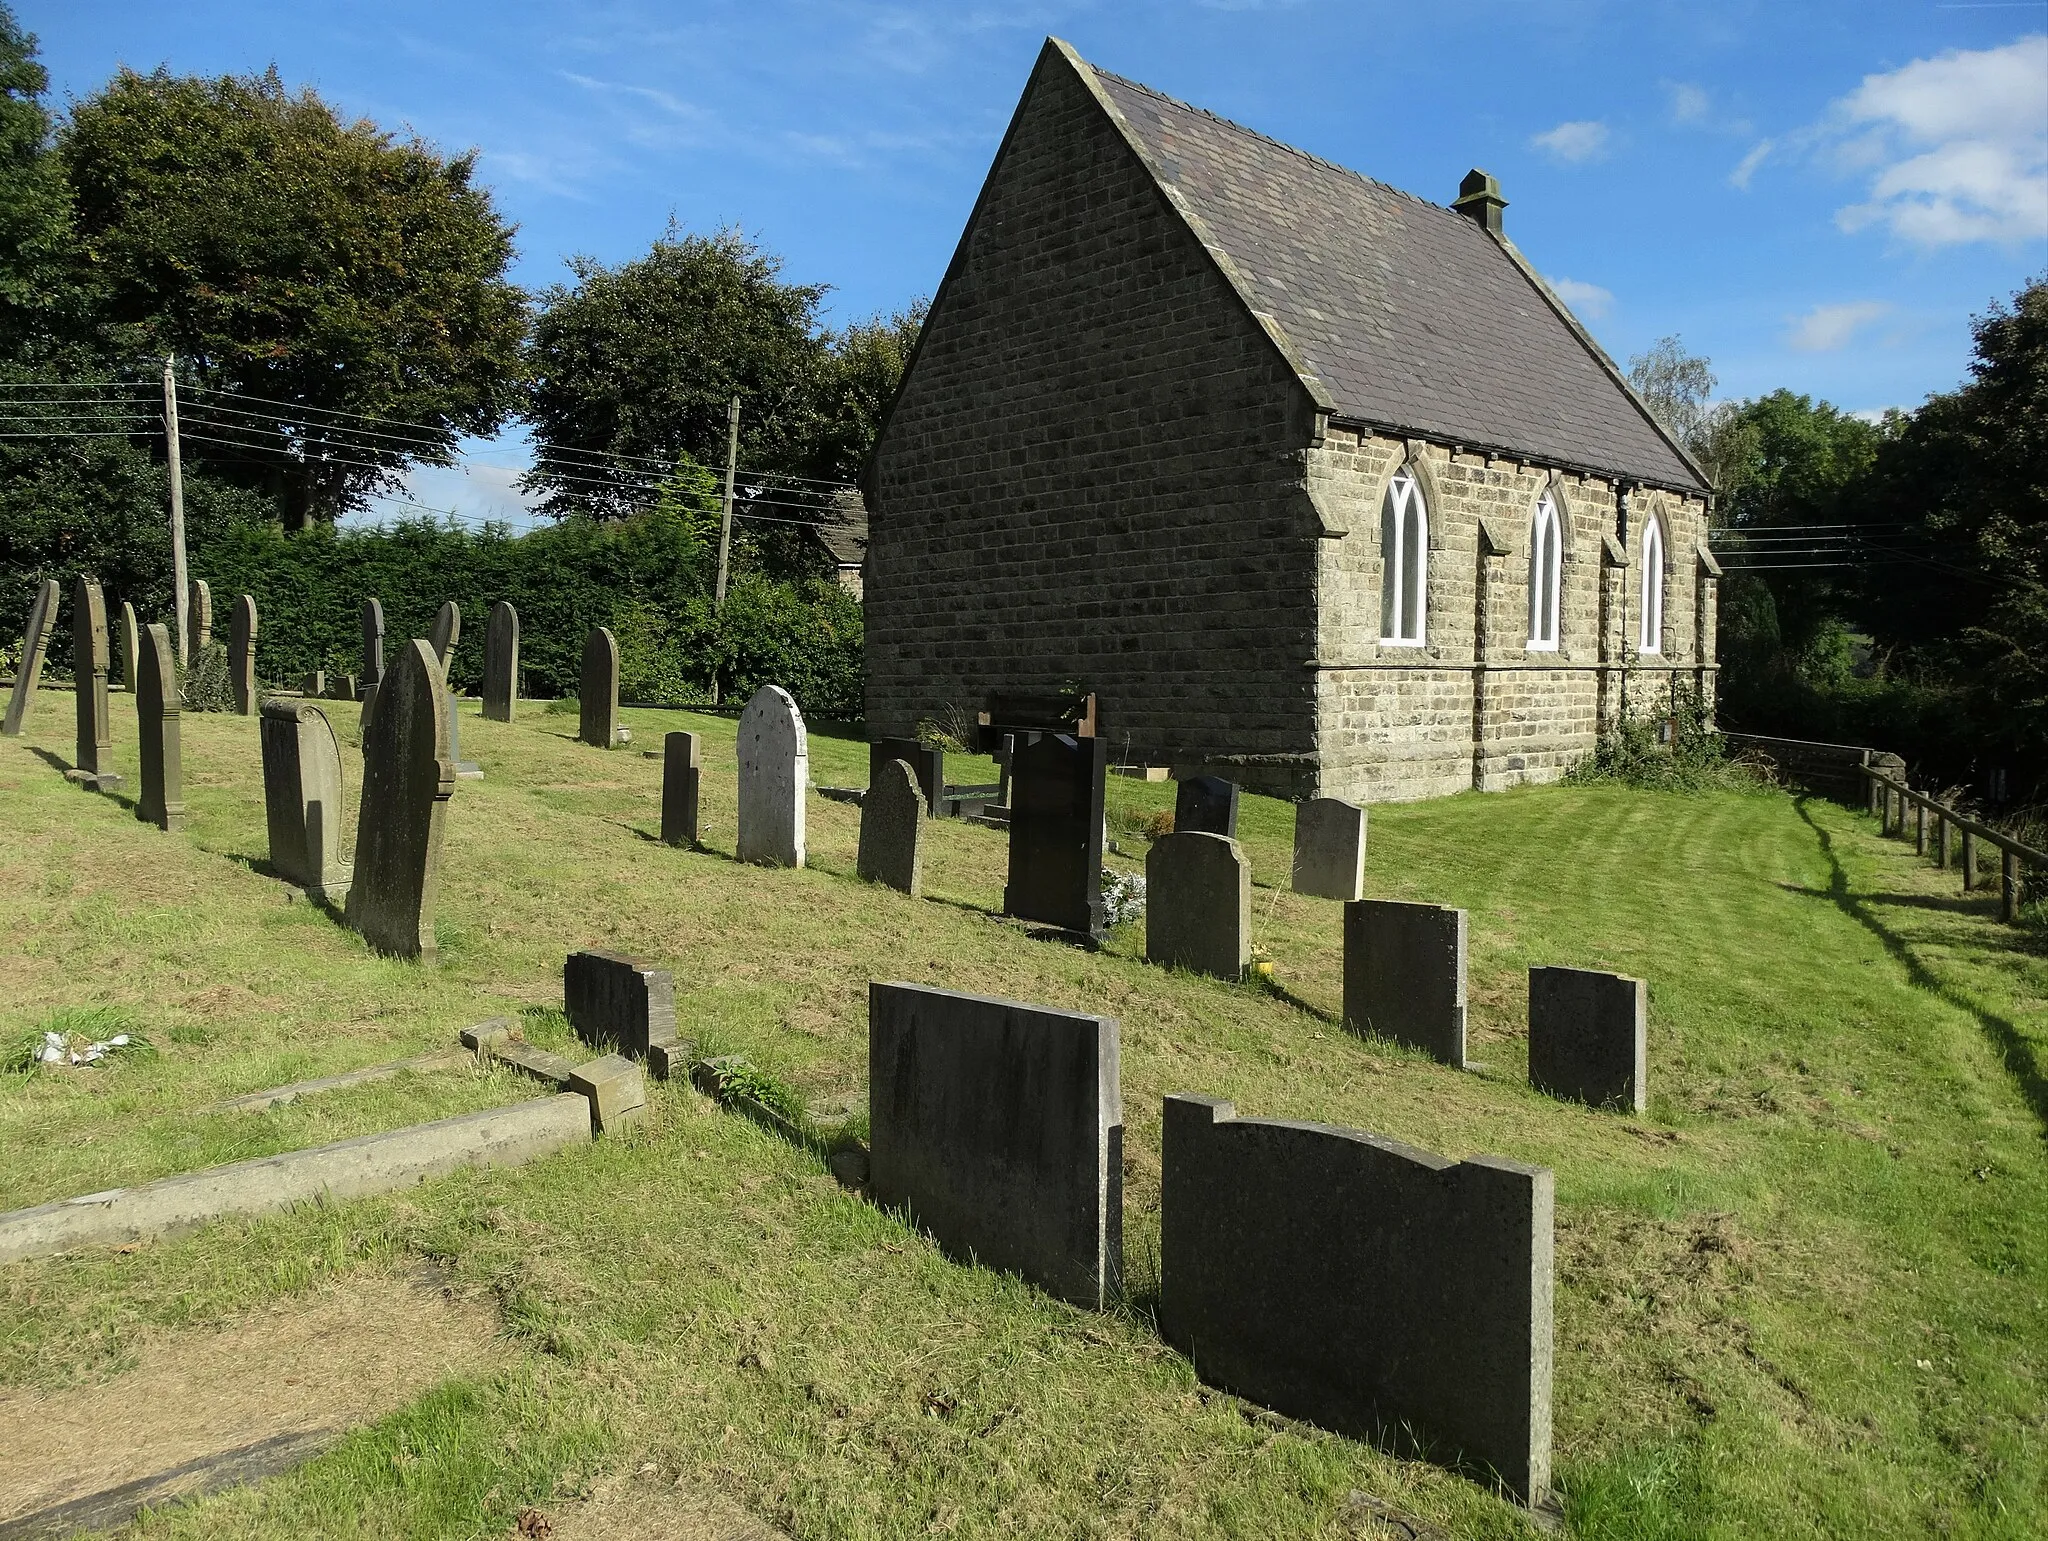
[[1829, 328], [1573, 142], [1956, 147], [1746, 167], [1588, 300], [1689, 103]]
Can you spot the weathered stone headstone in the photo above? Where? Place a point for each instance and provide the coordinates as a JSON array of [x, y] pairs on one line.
[[775, 765], [928, 765], [999, 1127], [373, 649], [1375, 1289], [1329, 849], [892, 819], [1205, 805], [89, 661], [1198, 904], [682, 775], [344, 687], [446, 633], [199, 616], [1587, 1036], [314, 685], [1404, 975], [618, 1002], [242, 655], [159, 741], [465, 770], [302, 798], [1055, 875], [501, 662], [131, 647], [35, 642], [598, 696], [406, 787]]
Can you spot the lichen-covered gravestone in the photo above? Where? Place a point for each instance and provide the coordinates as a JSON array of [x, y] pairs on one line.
[[158, 741], [199, 618], [447, 632], [406, 787], [1198, 904], [1404, 975], [1055, 876], [775, 765], [89, 661], [501, 662], [682, 775], [35, 642], [1329, 849], [131, 647], [892, 829], [1205, 805], [242, 655], [598, 695], [302, 798]]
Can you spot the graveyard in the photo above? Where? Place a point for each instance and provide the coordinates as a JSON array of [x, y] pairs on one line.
[[1797, 1251]]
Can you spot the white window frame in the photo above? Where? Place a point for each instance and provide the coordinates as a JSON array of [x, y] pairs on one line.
[[1404, 562], [1650, 621], [1546, 577]]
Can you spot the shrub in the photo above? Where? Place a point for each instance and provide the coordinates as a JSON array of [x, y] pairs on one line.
[[1635, 751]]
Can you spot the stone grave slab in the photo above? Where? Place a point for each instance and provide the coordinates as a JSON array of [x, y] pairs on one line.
[[1588, 1037], [404, 809], [90, 658], [242, 655], [1205, 805], [619, 1002], [35, 645], [501, 662], [1329, 849], [998, 1127], [1372, 1288], [302, 798], [617, 1092], [159, 743], [927, 765], [682, 780], [892, 819], [775, 766], [598, 695], [1404, 975], [1055, 876], [1198, 904]]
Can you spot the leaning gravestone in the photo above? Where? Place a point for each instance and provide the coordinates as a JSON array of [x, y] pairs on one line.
[[501, 662], [35, 642], [1587, 1039], [159, 741], [1404, 975], [406, 787], [682, 776], [131, 647], [373, 648], [598, 695], [999, 1127], [928, 765], [1198, 904], [89, 660], [891, 828], [1055, 877], [1329, 849], [775, 765], [446, 633], [1378, 1290], [618, 1002], [1205, 805], [199, 618], [242, 655], [302, 798]]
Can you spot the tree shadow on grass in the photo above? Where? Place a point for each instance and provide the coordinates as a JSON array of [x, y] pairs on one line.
[[2021, 1061]]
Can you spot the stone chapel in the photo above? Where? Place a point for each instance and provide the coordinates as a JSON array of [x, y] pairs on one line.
[[1314, 484]]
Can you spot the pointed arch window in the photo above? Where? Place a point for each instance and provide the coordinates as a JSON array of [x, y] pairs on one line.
[[1404, 562], [1650, 633], [1546, 576]]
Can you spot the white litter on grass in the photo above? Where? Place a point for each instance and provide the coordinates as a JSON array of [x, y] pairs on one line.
[[57, 1050], [1123, 896]]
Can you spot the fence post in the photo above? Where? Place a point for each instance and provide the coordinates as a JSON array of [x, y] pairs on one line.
[[1875, 794], [1941, 837], [1919, 829], [1969, 861], [2009, 900]]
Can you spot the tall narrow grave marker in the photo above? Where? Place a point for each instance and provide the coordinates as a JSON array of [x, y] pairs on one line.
[[199, 616], [1055, 872], [242, 655], [89, 660], [1587, 1036], [892, 819], [682, 774], [131, 648], [1198, 904], [598, 696], [302, 798], [775, 766], [1329, 849], [501, 662], [406, 787], [159, 739], [1404, 975], [373, 647], [446, 633], [35, 642]]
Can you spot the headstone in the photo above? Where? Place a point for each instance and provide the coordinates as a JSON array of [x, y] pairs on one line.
[[302, 798], [35, 642], [1205, 805], [599, 694], [1404, 975], [501, 662], [159, 743], [892, 819], [618, 1002], [131, 648], [199, 616], [999, 1127], [345, 687], [406, 787], [1587, 1038], [373, 648], [89, 661], [928, 765], [465, 770], [1198, 904], [682, 773], [314, 686], [1329, 849], [242, 655], [1056, 831], [1375, 1289], [447, 632], [775, 765]]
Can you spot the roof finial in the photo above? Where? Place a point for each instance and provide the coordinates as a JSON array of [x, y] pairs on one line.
[[1479, 200]]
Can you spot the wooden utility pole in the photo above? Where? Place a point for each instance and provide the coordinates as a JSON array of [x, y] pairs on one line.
[[177, 475], [732, 456]]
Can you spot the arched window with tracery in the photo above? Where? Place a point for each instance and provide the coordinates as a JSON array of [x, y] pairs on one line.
[[1546, 576], [1650, 632], [1404, 562]]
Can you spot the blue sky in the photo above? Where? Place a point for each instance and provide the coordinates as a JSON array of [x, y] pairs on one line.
[[1813, 195]]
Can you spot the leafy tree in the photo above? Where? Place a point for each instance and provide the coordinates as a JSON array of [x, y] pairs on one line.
[[864, 365], [283, 253], [33, 204], [1678, 388]]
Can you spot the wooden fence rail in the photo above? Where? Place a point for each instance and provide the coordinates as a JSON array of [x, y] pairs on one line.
[[1890, 800]]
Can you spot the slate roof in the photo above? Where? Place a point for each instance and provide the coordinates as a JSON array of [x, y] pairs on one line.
[[843, 528], [1410, 315]]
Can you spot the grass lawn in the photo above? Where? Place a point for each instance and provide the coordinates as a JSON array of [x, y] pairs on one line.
[[1806, 1296]]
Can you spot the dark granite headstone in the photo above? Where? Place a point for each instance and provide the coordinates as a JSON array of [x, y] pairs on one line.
[[1205, 805], [1404, 975], [1056, 786], [892, 819], [927, 765], [501, 662], [1587, 1038], [35, 642], [90, 657], [598, 696], [302, 797], [406, 787], [682, 774], [1375, 1289], [1198, 904], [619, 1003], [242, 655], [158, 742]]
